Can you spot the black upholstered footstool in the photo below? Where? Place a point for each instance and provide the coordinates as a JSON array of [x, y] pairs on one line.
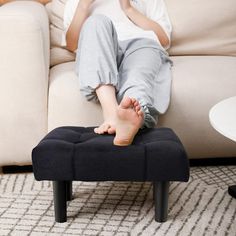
[[71, 153]]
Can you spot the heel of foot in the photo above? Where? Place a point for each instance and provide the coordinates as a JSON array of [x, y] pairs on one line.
[[122, 142]]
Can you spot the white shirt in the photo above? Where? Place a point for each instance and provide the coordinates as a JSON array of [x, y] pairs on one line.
[[126, 29]]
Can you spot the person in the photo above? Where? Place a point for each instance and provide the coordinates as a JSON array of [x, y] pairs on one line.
[[121, 61]]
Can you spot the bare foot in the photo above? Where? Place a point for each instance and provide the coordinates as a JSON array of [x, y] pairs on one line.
[[129, 120], [108, 126]]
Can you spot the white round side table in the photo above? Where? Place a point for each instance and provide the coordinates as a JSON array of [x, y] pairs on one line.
[[223, 118]]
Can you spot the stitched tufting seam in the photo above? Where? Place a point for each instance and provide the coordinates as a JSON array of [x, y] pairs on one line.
[[72, 163]]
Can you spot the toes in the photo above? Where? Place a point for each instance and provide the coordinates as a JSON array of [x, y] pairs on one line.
[[96, 130], [133, 100], [140, 113], [126, 102], [137, 108], [105, 128], [111, 130], [136, 103], [102, 129]]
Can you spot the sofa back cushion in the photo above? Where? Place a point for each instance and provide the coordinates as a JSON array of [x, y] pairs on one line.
[[199, 28], [58, 52], [203, 27]]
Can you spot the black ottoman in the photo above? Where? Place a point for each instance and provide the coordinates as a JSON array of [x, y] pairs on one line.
[[76, 153]]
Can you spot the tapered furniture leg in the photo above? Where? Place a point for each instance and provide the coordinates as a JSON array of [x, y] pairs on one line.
[[69, 190], [160, 195], [59, 195], [153, 192]]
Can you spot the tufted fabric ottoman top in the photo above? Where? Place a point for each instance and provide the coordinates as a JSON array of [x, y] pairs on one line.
[[77, 153]]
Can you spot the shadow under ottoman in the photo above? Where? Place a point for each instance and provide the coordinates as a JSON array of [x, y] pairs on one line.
[[72, 153]]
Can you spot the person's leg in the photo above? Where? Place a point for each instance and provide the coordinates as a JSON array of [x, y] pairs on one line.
[[139, 79], [107, 97], [98, 56], [96, 65], [124, 119]]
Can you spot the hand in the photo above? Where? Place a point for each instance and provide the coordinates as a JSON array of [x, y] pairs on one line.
[[4, 1], [44, 2], [85, 4], [125, 4]]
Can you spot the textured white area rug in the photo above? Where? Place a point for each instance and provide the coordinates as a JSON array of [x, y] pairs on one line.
[[200, 207]]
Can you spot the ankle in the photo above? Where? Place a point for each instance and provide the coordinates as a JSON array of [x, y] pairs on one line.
[[110, 114], [110, 119]]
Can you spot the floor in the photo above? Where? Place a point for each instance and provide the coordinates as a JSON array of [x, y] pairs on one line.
[[201, 206]]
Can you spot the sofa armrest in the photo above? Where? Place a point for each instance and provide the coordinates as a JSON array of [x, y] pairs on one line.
[[19, 17], [24, 74]]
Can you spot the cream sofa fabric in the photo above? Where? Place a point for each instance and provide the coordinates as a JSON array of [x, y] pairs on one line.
[[199, 82], [24, 71], [203, 27], [66, 104], [58, 53], [33, 100]]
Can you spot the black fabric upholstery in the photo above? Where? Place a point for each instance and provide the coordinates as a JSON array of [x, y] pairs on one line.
[[77, 153]]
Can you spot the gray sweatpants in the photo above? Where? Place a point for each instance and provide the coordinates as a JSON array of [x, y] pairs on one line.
[[138, 68]]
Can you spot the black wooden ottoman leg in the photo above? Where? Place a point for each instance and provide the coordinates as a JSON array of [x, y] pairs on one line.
[[59, 195], [69, 190], [160, 195]]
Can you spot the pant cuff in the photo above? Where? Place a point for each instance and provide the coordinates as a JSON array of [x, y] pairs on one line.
[[89, 89], [150, 117]]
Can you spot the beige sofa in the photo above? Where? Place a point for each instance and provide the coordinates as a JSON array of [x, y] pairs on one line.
[[39, 89]]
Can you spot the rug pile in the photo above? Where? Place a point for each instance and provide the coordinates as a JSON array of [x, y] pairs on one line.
[[200, 207]]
